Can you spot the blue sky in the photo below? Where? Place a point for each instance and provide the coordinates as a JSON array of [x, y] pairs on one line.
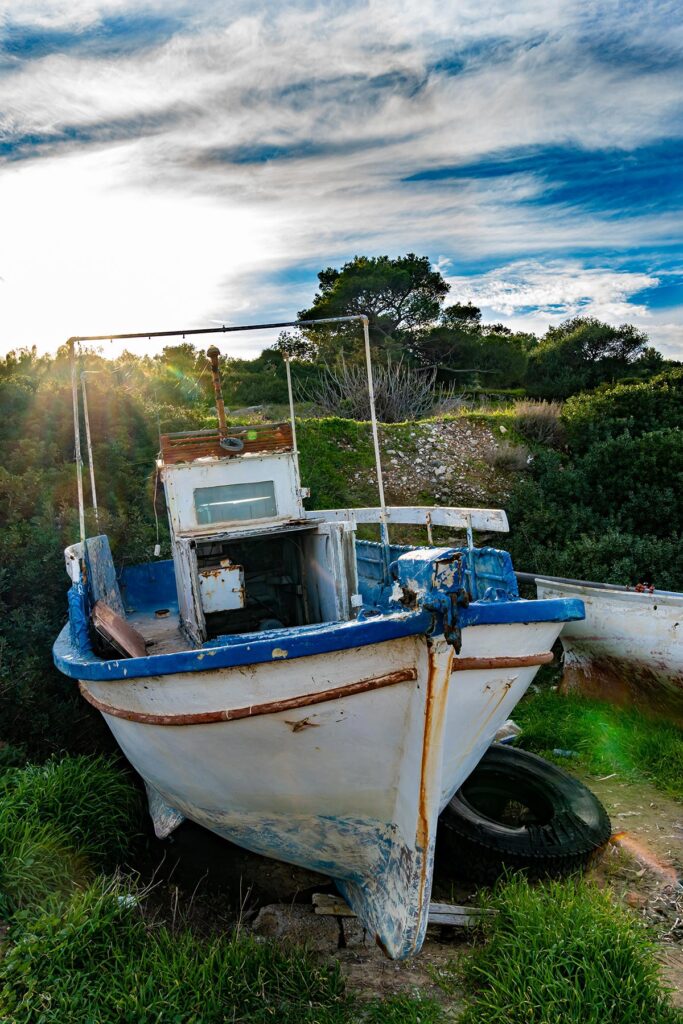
[[172, 164]]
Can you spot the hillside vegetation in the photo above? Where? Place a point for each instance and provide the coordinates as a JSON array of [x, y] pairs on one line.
[[596, 497]]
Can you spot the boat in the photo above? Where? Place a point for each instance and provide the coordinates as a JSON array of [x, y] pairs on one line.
[[629, 648], [309, 695]]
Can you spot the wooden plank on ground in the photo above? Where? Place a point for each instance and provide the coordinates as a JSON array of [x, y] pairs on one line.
[[439, 913]]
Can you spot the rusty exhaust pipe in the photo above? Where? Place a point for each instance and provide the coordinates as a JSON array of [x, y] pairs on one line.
[[213, 354]]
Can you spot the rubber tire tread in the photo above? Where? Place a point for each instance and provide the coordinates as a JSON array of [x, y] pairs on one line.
[[474, 846]]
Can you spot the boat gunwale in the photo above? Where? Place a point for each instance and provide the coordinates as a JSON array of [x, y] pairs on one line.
[[304, 641], [671, 598]]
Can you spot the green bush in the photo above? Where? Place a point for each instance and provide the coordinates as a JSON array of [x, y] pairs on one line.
[[634, 408], [612, 513]]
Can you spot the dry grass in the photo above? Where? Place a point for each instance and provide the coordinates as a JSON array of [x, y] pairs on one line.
[[540, 422]]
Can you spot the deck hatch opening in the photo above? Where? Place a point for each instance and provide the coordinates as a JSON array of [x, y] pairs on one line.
[[229, 503]]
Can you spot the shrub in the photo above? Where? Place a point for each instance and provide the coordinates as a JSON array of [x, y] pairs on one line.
[[508, 458], [12, 756], [612, 514], [400, 392], [637, 408], [540, 422]]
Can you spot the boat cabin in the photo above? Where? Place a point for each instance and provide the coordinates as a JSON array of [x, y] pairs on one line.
[[246, 555]]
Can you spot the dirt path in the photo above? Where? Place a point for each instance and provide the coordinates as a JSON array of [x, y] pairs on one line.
[[644, 864]]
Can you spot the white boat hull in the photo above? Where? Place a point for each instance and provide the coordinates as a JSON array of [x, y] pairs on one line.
[[312, 766], [627, 650]]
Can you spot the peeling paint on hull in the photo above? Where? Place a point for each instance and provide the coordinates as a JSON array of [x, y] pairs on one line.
[[351, 786]]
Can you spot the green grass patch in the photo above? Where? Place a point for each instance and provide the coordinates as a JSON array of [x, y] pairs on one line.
[[331, 451], [100, 960], [90, 798], [605, 738], [57, 822], [563, 953]]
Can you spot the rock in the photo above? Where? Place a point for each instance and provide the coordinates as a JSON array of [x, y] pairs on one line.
[[503, 429], [300, 926]]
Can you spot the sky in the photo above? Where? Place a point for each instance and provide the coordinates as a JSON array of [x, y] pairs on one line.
[[169, 165]]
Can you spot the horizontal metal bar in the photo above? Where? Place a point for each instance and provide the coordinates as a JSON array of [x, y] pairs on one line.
[[489, 520], [271, 708], [523, 661], [531, 577], [217, 330]]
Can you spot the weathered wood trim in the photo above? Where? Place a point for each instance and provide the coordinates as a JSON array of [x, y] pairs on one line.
[[523, 661], [271, 708], [185, 446]]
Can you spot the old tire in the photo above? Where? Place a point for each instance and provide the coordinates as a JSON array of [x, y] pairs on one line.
[[518, 811]]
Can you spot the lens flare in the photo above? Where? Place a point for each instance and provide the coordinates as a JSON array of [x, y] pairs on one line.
[[647, 857]]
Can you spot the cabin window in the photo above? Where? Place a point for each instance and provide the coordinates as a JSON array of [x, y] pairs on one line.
[[232, 502]]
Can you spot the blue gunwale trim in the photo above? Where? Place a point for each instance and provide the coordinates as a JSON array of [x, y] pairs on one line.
[[303, 641]]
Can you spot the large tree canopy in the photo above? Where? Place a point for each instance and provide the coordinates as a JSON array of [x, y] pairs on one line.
[[401, 297], [583, 352]]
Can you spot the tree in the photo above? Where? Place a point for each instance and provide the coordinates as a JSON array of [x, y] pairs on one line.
[[460, 342], [462, 316], [401, 298], [582, 353]]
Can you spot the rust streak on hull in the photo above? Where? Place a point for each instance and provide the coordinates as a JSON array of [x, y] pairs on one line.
[[435, 711], [270, 708], [467, 664]]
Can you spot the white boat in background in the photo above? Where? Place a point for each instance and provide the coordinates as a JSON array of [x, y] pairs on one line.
[[629, 647], [310, 696]]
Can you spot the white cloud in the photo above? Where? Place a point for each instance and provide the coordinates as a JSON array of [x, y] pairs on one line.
[[529, 295], [145, 223]]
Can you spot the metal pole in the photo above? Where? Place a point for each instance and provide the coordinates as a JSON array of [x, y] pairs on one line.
[[89, 444], [384, 527], [77, 443], [213, 354], [218, 330], [291, 417]]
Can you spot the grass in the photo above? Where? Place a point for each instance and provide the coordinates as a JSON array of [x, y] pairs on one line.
[[57, 822], [100, 960], [331, 451], [91, 798], [606, 739], [86, 949], [563, 953]]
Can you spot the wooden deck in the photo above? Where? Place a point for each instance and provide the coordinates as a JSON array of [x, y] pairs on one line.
[[198, 444], [162, 633]]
